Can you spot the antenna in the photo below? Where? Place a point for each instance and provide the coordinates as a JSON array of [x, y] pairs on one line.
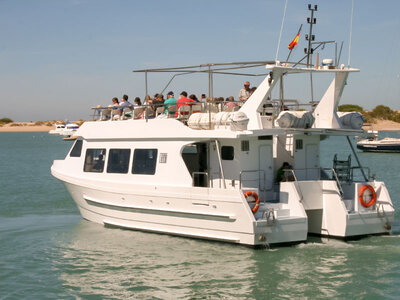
[[280, 34], [351, 30], [310, 37]]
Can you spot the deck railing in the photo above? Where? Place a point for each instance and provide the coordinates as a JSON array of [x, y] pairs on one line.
[[264, 190], [149, 111]]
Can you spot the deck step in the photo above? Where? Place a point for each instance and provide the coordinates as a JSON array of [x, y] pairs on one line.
[[278, 212]]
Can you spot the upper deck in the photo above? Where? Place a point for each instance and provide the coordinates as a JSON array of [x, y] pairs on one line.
[[261, 114]]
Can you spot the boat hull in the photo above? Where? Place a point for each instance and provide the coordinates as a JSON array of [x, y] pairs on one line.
[[378, 148], [329, 214], [224, 217]]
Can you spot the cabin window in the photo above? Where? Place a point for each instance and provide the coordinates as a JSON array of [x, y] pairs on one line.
[[118, 160], [299, 144], [227, 153], [265, 138], [77, 149], [144, 161], [94, 160], [245, 146]]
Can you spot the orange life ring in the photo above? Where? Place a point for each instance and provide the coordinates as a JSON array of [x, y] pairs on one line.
[[255, 196], [373, 196]]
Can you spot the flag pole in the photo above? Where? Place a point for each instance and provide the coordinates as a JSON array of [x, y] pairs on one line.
[[298, 33]]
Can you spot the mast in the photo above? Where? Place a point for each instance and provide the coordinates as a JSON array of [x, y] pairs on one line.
[[310, 37], [309, 51]]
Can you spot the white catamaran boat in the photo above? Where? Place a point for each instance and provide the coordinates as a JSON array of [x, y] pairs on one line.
[[212, 174]]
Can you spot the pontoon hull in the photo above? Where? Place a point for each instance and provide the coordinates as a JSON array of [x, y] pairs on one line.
[[184, 215], [330, 215]]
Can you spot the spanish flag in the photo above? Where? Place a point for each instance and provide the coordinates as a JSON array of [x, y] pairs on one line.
[[294, 42]]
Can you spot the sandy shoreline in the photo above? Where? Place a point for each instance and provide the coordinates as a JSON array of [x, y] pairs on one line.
[[380, 125], [25, 127], [383, 125]]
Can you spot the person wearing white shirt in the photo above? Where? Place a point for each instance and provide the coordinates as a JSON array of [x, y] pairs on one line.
[[244, 93]]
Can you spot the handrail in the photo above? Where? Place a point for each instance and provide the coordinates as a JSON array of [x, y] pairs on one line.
[[150, 109], [336, 179], [199, 173], [221, 169], [258, 179], [296, 181], [361, 169]]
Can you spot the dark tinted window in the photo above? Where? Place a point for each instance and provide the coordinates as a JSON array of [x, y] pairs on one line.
[[227, 153], [245, 145], [94, 160], [299, 144], [265, 137], [144, 161], [118, 160], [77, 149]]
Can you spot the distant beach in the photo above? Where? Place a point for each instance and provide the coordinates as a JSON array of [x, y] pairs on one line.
[[382, 125], [26, 127], [379, 125]]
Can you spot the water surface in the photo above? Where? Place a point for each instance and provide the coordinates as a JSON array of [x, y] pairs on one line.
[[48, 252]]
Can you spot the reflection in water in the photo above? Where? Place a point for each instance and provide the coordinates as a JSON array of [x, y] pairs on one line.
[[121, 264], [113, 263], [330, 269]]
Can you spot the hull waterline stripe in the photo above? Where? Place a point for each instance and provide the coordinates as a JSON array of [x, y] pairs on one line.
[[95, 202]]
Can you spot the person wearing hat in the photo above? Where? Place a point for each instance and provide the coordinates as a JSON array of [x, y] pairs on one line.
[[171, 101]]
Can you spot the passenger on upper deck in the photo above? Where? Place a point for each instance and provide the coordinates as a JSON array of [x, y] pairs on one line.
[[158, 103], [193, 97], [183, 101], [203, 98], [158, 100], [230, 102], [171, 101], [244, 93], [115, 102], [148, 100], [149, 107], [115, 108], [137, 102], [124, 102]]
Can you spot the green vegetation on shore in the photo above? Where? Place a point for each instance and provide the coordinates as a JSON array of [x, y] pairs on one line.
[[5, 121], [380, 112]]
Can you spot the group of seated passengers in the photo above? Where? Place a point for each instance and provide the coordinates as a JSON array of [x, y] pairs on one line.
[[171, 102], [118, 107]]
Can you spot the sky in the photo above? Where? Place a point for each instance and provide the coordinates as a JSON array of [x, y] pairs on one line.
[[58, 58]]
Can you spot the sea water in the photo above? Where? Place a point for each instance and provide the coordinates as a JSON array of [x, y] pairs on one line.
[[47, 251]]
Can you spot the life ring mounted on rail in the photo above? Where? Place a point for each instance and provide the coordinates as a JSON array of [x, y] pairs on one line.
[[367, 196], [256, 198]]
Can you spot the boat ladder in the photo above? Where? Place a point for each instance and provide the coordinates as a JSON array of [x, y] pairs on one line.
[[269, 215]]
